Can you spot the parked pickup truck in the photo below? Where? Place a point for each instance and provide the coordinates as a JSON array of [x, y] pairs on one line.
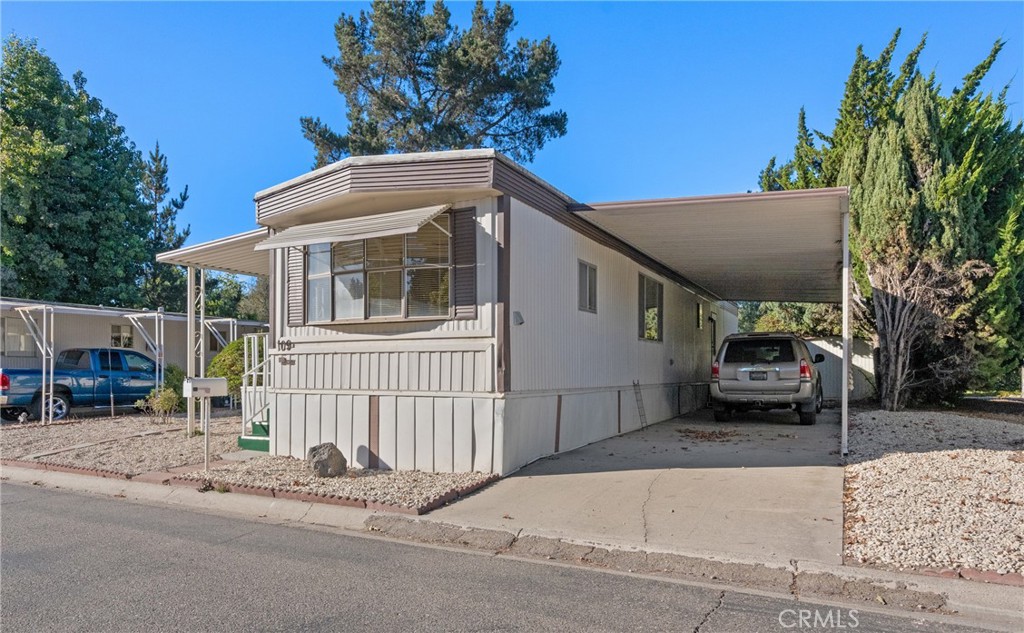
[[82, 378]]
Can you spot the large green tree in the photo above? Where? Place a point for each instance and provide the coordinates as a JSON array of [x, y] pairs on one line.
[[73, 227], [936, 247], [414, 82], [163, 285]]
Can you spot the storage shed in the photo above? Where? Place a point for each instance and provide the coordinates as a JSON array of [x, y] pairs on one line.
[[452, 311]]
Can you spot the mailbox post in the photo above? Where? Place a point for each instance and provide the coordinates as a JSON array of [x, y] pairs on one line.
[[204, 389]]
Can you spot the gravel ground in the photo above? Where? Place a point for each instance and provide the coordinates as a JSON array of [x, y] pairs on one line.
[[407, 488], [928, 489], [129, 455]]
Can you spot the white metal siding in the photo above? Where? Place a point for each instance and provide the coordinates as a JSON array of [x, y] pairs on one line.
[[560, 347]]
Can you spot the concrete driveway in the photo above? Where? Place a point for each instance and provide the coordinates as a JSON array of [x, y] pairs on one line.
[[760, 489]]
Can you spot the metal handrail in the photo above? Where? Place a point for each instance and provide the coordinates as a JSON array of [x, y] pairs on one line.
[[255, 378]]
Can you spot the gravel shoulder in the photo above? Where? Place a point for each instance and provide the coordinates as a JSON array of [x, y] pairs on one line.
[[405, 488], [935, 490], [168, 448]]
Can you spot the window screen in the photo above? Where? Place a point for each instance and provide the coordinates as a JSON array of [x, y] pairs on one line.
[[587, 287], [651, 304]]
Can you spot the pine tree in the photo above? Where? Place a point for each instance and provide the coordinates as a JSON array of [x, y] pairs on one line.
[[163, 285], [413, 82]]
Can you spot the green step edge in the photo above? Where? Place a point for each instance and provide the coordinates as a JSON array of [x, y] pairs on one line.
[[260, 429], [254, 443]]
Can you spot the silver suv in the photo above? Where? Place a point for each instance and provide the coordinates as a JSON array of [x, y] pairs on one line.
[[766, 370]]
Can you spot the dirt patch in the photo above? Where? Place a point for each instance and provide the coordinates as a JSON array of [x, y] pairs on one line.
[[708, 436]]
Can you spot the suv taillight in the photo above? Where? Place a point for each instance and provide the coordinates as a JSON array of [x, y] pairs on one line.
[[714, 370], [805, 370], [5, 382]]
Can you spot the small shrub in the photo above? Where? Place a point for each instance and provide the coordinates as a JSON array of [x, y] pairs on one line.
[[161, 402], [174, 376]]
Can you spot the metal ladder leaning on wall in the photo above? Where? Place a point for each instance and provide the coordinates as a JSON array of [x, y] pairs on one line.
[[640, 403]]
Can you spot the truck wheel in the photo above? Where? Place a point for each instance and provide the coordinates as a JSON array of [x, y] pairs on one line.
[[10, 414], [722, 414], [819, 402], [59, 402]]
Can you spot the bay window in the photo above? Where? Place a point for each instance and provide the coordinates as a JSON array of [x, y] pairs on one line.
[[393, 276]]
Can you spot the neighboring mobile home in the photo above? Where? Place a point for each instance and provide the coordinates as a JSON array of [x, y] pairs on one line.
[[78, 325], [451, 311]]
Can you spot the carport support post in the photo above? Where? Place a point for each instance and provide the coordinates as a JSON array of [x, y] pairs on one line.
[[845, 211], [190, 337]]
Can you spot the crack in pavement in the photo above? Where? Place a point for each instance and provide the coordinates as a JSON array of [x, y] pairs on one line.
[[643, 508], [707, 616], [796, 572]]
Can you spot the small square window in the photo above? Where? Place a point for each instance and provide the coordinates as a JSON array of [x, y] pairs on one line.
[[121, 336], [15, 339], [588, 287]]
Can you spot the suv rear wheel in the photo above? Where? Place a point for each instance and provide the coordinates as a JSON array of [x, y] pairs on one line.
[[723, 414], [808, 415]]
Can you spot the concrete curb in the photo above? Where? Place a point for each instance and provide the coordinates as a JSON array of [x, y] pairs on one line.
[[817, 584], [997, 606]]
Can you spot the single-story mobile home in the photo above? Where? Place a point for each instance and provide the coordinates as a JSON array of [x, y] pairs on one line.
[[451, 311]]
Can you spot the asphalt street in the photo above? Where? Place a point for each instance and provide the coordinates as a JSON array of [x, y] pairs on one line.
[[81, 563]]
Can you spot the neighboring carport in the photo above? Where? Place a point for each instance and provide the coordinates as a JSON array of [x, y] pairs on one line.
[[771, 246], [233, 254]]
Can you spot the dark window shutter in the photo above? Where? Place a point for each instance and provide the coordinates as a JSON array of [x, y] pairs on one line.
[[296, 286], [464, 263]]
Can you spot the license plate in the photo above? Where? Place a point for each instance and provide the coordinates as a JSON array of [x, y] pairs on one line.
[[759, 375]]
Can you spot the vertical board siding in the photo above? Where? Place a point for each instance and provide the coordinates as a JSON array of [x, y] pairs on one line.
[[388, 432], [424, 434], [405, 433], [484, 435], [462, 435], [443, 435], [361, 430], [434, 371]]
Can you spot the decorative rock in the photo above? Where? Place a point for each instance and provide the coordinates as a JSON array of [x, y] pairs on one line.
[[325, 460]]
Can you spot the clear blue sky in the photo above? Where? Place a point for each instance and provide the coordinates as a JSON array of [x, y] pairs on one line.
[[664, 99]]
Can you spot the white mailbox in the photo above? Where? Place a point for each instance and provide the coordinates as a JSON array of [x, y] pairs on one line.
[[204, 387]]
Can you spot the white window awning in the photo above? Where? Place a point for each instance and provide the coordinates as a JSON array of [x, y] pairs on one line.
[[352, 229]]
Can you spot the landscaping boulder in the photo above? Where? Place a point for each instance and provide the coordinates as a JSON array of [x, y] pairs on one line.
[[325, 460]]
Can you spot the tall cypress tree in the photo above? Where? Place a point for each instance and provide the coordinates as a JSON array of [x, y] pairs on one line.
[[936, 256]]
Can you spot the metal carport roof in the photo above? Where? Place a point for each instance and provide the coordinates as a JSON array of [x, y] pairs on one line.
[[773, 246], [232, 254]]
